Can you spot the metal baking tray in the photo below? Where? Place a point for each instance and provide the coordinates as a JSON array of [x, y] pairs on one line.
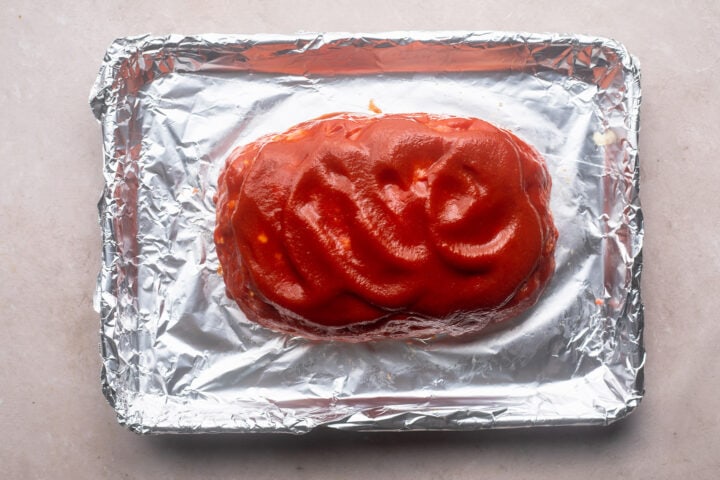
[[179, 356]]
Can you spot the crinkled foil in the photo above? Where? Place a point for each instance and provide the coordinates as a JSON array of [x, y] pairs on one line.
[[179, 356]]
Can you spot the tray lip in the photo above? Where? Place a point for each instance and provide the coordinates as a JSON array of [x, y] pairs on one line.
[[123, 48], [102, 103]]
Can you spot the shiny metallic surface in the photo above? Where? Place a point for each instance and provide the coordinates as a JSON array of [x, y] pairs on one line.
[[179, 356]]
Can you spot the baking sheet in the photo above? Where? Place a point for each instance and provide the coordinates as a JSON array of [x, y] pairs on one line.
[[179, 356]]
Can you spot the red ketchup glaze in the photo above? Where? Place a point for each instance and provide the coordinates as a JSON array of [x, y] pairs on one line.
[[356, 228]]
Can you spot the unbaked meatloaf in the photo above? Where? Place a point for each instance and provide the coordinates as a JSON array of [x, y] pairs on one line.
[[355, 228]]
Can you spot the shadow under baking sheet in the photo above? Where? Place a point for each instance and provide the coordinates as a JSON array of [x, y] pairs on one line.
[[317, 448]]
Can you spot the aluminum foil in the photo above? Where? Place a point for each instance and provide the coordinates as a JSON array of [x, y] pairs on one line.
[[179, 356]]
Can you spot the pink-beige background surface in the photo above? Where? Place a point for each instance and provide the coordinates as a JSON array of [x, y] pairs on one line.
[[54, 421]]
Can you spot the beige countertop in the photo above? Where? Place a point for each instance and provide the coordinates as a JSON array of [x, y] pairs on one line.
[[54, 421]]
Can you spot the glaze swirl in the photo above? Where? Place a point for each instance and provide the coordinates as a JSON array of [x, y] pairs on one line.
[[355, 228]]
